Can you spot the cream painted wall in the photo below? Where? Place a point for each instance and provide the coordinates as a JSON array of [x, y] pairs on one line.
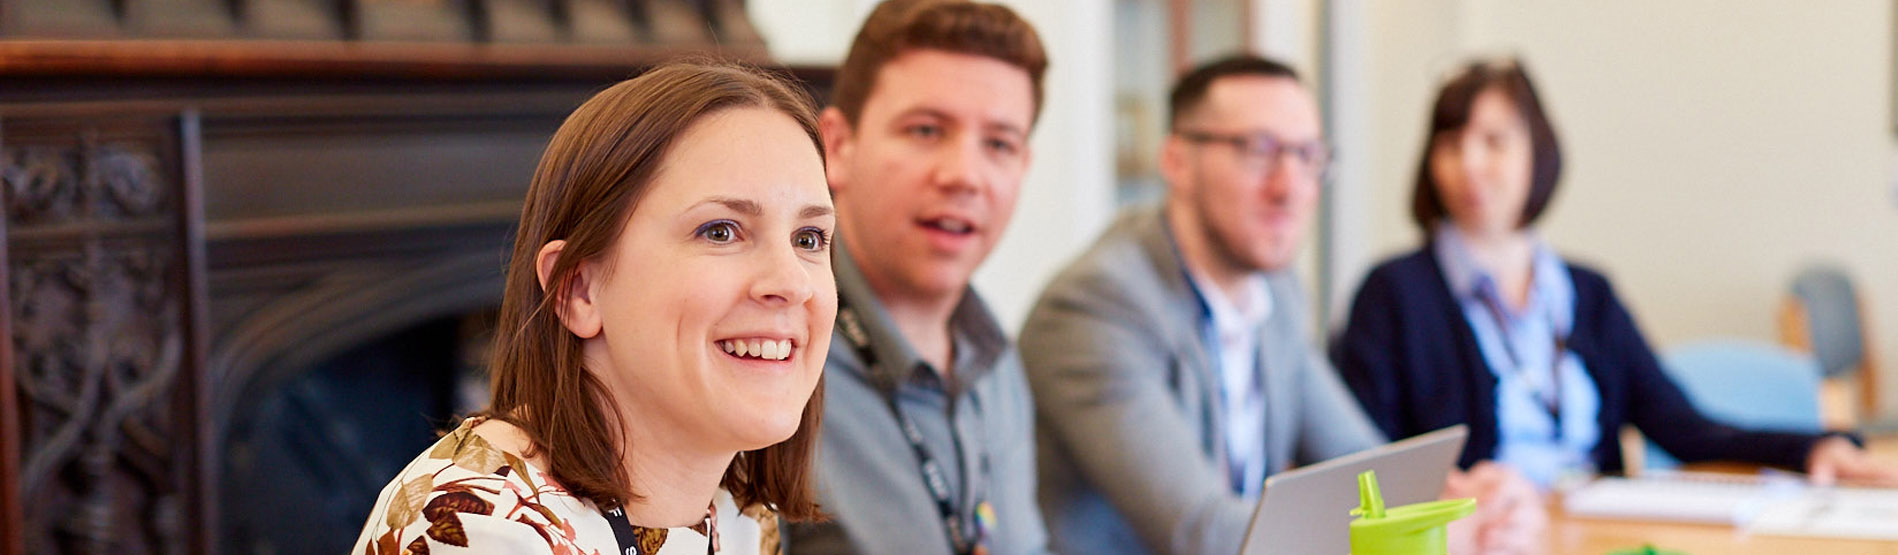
[[1713, 146], [809, 32]]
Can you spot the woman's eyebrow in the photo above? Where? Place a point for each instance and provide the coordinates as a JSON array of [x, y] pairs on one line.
[[741, 206], [814, 211]]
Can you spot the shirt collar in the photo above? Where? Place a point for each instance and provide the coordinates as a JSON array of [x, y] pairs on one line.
[[1550, 285], [1225, 313], [1459, 266], [979, 340]]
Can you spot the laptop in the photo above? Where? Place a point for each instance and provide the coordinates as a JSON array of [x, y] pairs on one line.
[[1308, 509]]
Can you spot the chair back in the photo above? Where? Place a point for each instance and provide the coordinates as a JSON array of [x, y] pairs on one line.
[[1831, 310], [1746, 384]]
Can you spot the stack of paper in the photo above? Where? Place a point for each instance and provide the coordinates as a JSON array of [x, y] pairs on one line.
[[1779, 505], [1870, 514], [1677, 497]]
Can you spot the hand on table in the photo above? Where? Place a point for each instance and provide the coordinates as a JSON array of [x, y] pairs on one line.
[[1836, 459], [1510, 518]]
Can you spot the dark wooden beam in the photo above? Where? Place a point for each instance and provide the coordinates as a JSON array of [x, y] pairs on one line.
[[305, 59], [12, 516], [201, 458]]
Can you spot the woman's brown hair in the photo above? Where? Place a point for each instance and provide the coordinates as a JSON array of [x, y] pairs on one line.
[[597, 167], [1452, 111]]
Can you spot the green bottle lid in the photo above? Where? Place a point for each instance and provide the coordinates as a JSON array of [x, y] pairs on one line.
[[1415, 529], [1647, 550]]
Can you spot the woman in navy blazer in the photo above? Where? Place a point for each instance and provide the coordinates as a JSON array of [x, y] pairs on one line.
[[1486, 326]]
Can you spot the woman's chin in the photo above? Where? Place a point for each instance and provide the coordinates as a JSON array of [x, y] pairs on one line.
[[766, 430]]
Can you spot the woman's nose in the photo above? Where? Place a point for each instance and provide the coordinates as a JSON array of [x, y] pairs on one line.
[[783, 278]]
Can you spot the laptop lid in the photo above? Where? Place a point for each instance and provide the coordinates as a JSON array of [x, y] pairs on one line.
[[1308, 509]]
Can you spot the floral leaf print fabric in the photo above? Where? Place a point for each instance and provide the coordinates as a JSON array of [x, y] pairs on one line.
[[408, 500], [443, 525], [650, 539], [463, 495]]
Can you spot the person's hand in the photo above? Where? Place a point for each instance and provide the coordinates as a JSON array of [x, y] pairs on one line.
[[1836, 459], [1510, 518]]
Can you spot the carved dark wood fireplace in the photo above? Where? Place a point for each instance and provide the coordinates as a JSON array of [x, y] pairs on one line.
[[251, 245]]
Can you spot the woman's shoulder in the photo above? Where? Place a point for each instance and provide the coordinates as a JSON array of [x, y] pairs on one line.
[[1400, 272], [1406, 263], [464, 491], [1586, 277], [1596, 303]]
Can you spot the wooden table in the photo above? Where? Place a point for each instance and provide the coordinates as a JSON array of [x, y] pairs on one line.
[[1586, 536]]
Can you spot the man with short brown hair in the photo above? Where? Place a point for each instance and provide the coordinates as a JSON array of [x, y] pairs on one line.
[[928, 438]]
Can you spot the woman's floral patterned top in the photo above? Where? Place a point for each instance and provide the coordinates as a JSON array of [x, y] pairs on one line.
[[466, 496]]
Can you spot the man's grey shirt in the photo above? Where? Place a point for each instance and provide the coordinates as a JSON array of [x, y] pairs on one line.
[[869, 479], [1132, 425]]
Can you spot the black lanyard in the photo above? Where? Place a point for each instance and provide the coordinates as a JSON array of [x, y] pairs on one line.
[[963, 538], [1553, 403], [629, 539]]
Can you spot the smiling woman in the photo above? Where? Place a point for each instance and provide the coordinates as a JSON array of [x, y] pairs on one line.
[[668, 310]]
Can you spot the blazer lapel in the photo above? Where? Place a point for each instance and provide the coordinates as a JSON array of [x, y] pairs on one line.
[[1185, 335], [1277, 360]]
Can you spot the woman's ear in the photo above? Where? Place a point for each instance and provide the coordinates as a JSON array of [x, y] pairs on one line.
[[574, 302]]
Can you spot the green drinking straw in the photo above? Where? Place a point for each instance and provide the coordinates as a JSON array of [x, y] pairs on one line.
[[1415, 529]]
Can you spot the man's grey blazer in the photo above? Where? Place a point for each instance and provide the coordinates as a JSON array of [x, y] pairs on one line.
[[1130, 433]]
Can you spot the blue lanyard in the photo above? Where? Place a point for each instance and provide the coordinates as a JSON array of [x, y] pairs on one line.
[[1551, 403]]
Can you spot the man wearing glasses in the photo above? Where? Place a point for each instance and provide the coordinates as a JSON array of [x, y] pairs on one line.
[[1170, 364]]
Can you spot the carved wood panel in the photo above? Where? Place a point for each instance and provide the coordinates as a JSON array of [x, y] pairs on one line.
[[102, 339]]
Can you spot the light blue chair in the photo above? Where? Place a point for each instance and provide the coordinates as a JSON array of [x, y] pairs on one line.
[[1747, 384]]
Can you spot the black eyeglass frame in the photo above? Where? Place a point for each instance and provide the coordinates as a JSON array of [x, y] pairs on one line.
[[1316, 156]]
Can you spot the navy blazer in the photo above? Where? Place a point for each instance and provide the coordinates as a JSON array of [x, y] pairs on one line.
[[1409, 355]]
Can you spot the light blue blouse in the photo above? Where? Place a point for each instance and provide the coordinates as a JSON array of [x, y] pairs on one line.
[[1521, 347]]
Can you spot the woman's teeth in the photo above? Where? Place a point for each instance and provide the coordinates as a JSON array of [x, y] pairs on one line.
[[758, 348]]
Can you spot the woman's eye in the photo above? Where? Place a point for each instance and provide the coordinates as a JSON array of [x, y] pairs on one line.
[[720, 232], [811, 239]]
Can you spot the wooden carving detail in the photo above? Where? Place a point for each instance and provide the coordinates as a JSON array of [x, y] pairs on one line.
[[99, 341], [48, 184]]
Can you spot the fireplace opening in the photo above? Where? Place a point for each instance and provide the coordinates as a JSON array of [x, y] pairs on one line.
[[304, 465]]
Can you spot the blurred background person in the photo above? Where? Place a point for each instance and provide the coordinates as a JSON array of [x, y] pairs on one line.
[[1487, 325]]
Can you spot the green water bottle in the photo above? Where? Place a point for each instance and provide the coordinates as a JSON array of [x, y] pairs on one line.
[[1415, 529]]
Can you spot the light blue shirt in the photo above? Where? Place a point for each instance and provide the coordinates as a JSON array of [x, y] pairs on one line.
[[1520, 346], [1233, 329]]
